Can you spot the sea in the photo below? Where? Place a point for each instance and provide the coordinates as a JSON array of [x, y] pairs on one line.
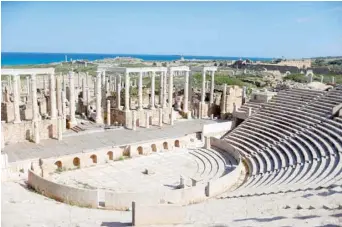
[[16, 58]]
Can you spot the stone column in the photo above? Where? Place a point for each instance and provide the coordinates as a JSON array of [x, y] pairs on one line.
[[103, 78], [59, 96], [53, 105], [212, 87], [16, 96], [153, 90], [10, 83], [161, 90], [118, 96], [223, 107], [72, 101], [160, 117], [34, 98], [203, 86], [107, 88], [60, 127], [164, 89], [127, 107], [171, 117], [78, 80], [64, 107], [19, 85], [322, 78], [44, 83], [115, 84], [28, 85], [244, 94], [35, 117], [170, 89], [333, 80], [84, 95], [140, 93], [108, 112], [186, 92], [99, 118], [147, 120]]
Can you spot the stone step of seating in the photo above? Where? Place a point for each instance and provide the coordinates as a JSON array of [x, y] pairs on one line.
[[200, 166], [218, 160]]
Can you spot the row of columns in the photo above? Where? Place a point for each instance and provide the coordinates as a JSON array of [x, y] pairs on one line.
[[164, 78], [57, 102], [211, 98]]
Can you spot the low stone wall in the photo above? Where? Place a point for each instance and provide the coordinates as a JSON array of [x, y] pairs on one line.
[[104, 155], [63, 193], [20, 132], [216, 128], [165, 214], [123, 200], [222, 184]]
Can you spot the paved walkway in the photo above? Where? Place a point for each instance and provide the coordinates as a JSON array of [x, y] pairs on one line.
[[69, 145]]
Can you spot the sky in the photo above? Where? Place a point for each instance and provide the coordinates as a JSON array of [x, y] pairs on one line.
[[235, 29]]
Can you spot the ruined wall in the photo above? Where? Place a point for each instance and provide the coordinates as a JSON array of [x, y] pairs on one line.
[[20, 132], [234, 95]]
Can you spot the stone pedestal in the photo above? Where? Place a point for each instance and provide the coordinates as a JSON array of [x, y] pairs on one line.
[[147, 120], [160, 117]]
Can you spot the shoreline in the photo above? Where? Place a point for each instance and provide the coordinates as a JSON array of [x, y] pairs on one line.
[[28, 58]]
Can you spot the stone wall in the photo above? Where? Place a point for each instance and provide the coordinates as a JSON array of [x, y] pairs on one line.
[[164, 214], [20, 132], [63, 193]]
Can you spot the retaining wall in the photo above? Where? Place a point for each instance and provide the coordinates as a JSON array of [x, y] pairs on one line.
[[63, 193], [164, 214]]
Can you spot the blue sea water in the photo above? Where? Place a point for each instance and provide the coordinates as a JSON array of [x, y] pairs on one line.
[[12, 58]]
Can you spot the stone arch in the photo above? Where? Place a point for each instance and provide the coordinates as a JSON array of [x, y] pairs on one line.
[[76, 162], [59, 164], [110, 155], [177, 144], [154, 148], [94, 158], [288, 73], [165, 146], [140, 150]]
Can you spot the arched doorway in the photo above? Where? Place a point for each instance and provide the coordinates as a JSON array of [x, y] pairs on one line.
[[165, 146], [140, 150], [154, 148], [177, 143], [110, 155], [94, 158], [76, 162], [59, 164]]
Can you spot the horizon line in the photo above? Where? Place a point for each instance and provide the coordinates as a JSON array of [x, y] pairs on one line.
[[180, 55]]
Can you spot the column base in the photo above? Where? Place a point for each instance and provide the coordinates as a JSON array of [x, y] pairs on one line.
[[17, 122], [72, 123]]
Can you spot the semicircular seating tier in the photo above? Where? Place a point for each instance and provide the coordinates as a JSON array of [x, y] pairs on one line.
[[293, 142]]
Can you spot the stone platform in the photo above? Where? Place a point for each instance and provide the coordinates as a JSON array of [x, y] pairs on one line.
[[69, 145]]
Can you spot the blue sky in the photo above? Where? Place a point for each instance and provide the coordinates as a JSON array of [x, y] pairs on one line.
[[240, 29]]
